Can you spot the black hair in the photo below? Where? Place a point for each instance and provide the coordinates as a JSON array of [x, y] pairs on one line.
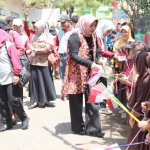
[[123, 24], [75, 19], [9, 19], [4, 25], [53, 31]]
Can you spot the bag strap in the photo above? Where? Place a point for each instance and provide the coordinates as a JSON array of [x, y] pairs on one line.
[[7, 50]]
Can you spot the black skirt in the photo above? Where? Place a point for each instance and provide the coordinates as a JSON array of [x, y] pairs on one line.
[[41, 87]]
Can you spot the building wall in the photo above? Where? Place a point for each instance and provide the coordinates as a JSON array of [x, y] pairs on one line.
[[100, 13], [13, 8], [49, 15]]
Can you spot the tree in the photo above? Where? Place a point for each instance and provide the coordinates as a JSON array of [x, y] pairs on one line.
[[83, 4], [3, 3], [34, 4], [138, 12]]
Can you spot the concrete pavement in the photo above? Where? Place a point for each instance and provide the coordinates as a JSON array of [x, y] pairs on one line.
[[50, 130]]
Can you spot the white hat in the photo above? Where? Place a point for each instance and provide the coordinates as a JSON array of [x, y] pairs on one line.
[[17, 22]]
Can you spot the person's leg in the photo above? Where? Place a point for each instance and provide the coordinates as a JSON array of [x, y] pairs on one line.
[[92, 117], [13, 92], [4, 109], [62, 66], [33, 90], [75, 104]]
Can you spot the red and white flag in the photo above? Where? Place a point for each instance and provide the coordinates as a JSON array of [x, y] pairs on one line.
[[121, 56], [98, 93], [111, 147], [94, 78], [96, 75], [111, 104]]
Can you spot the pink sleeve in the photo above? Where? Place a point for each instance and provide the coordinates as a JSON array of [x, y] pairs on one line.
[[106, 54], [14, 56], [18, 43]]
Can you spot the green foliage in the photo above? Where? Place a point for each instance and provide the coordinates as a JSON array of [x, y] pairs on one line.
[[3, 3], [36, 2], [82, 4]]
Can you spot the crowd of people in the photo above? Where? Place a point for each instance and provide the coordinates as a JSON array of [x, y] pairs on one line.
[[84, 45]]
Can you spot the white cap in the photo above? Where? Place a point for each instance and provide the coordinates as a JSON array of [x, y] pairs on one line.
[[17, 22]]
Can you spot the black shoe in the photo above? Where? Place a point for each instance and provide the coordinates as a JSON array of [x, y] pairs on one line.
[[14, 122], [49, 105], [97, 134], [124, 121], [25, 124], [80, 132], [100, 134], [33, 106], [6, 127]]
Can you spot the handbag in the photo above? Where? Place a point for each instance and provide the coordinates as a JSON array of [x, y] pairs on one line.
[[24, 75], [53, 57]]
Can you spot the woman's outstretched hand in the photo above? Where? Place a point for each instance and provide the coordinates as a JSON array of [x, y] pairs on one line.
[[95, 67]]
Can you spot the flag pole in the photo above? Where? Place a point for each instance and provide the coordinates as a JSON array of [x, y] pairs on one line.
[[121, 105]]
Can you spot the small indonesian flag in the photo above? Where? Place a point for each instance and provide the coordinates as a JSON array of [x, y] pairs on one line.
[[98, 93], [94, 78], [121, 57], [111, 147], [128, 71], [111, 104]]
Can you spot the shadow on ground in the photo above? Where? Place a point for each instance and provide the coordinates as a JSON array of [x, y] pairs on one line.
[[60, 138]]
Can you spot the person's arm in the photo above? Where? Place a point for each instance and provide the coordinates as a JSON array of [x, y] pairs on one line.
[[26, 28], [44, 48], [98, 53], [74, 45], [104, 53], [14, 57], [18, 42]]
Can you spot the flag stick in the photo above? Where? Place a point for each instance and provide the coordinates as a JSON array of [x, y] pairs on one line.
[[121, 105]]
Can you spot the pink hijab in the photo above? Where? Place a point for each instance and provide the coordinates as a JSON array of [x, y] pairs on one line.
[[84, 23]]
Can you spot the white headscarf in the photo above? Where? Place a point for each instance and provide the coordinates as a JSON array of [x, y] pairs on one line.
[[45, 34], [102, 27]]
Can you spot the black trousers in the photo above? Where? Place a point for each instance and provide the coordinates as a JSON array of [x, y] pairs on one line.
[[10, 94], [104, 81], [20, 95], [92, 117]]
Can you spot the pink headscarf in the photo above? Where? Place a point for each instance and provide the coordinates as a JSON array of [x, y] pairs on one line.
[[84, 23], [4, 36]]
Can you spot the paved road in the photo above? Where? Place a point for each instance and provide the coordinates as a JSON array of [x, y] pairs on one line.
[[50, 130]]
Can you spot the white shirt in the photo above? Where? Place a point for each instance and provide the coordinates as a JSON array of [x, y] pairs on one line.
[[63, 41]]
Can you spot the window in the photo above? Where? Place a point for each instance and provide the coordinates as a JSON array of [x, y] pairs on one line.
[[2, 13], [14, 15]]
